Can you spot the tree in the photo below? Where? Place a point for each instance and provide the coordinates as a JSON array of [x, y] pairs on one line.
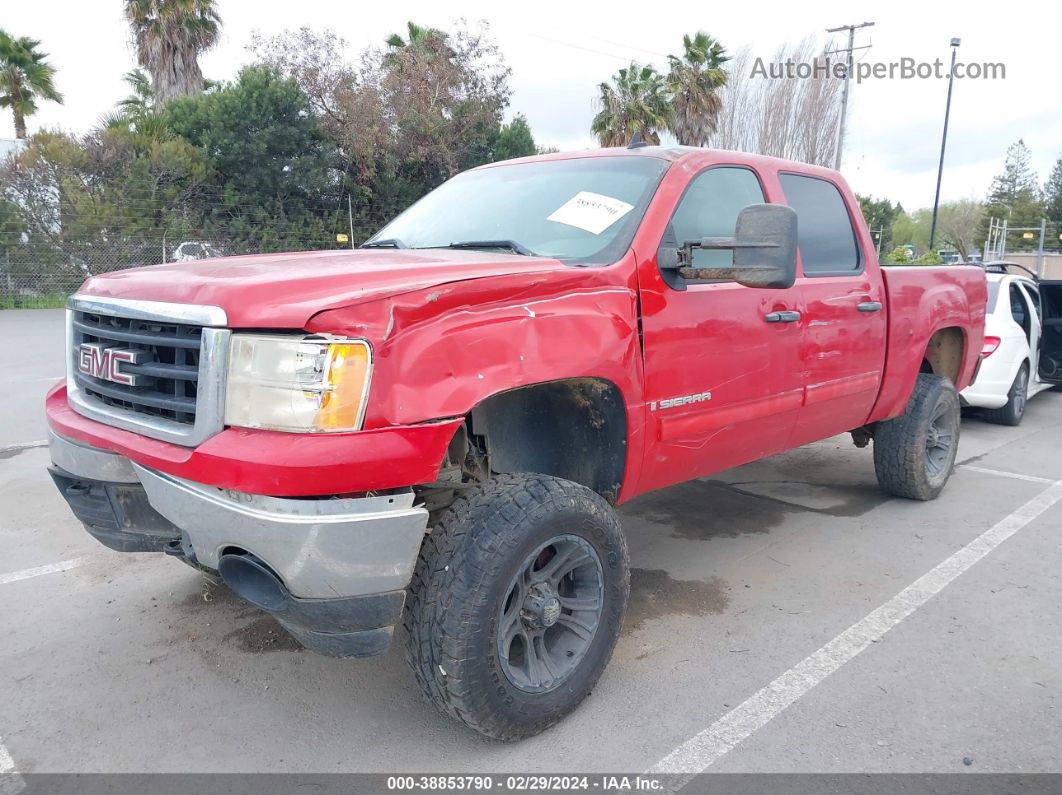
[[86, 205], [791, 117], [957, 224], [137, 114], [405, 118], [169, 36], [694, 80], [418, 35], [913, 229], [514, 140], [1053, 196], [880, 214], [1014, 196], [25, 78], [636, 101], [278, 185]]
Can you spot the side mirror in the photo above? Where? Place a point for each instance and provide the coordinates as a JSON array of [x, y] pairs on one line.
[[764, 246]]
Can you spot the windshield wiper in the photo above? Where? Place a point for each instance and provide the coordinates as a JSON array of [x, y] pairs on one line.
[[511, 245], [387, 242]]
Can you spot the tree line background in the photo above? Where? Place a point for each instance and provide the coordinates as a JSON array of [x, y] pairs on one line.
[[306, 144]]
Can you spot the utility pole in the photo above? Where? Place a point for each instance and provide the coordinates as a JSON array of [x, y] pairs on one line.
[[943, 142], [847, 79], [350, 218]]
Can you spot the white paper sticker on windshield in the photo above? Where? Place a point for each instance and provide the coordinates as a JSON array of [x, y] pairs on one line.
[[591, 211]]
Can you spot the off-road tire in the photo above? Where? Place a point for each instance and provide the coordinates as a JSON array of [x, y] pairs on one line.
[[900, 444], [464, 570], [1013, 410]]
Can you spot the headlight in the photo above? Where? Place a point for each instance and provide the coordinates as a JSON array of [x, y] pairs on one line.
[[302, 384]]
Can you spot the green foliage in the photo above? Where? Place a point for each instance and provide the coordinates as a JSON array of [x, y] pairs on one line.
[[271, 166], [898, 256], [695, 79], [880, 215], [513, 140], [169, 36], [912, 229], [902, 255], [636, 101], [265, 162], [25, 77], [1053, 196], [1015, 197]]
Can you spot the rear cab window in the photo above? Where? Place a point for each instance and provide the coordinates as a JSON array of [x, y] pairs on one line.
[[826, 235]]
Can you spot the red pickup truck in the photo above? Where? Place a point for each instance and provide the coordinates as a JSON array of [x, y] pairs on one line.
[[433, 429]]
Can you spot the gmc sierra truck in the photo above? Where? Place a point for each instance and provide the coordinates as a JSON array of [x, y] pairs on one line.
[[434, 429]]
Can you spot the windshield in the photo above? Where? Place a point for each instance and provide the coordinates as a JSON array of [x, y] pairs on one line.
[[584, 210]]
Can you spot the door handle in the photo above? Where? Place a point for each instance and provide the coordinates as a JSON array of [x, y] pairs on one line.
[[869, 306], [786, 316]]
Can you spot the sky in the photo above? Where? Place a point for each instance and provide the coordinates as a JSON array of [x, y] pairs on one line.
[[559, 52]]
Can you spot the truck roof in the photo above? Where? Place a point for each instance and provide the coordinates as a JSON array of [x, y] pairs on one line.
[[676, 154]]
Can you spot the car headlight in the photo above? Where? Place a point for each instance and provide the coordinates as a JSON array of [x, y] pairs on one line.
[[303, 384]]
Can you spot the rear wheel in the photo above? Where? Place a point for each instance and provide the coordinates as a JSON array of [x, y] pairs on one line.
[[915, 452], [516, 603], [1014, 409]]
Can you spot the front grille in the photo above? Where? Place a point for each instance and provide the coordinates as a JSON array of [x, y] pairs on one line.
[[165, 373]]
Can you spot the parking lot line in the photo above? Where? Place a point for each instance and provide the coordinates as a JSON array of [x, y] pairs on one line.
[[37, 571], [714, 742], [11, 782], [1003, 474]]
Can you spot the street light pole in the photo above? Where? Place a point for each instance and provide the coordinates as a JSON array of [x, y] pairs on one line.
[[943, 143]]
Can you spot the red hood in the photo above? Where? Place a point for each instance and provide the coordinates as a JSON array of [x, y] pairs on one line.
[[286, 290]]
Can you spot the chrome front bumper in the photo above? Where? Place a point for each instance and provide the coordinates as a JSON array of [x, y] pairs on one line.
[[320, 548]]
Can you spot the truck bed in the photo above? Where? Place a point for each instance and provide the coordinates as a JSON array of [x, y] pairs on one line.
[[921, 298]]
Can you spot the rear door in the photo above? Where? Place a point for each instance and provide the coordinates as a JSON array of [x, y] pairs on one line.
[[722, 380], [843, 347], [1051, 344], [1036, 319]]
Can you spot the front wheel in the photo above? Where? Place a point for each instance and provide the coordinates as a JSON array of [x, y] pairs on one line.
[[915, 452], [516, 603]]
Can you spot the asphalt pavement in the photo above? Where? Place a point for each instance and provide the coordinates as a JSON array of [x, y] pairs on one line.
[[744, 587]]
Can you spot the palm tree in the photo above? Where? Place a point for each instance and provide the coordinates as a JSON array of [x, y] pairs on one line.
[[637, 100], [169, 36], [695, 80], [25, 77], [417, 35], [138, 114]]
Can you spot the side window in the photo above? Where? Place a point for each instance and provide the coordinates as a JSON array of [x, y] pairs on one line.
[[825, 234], [1034, 298], [710, 207], [1018, 309]]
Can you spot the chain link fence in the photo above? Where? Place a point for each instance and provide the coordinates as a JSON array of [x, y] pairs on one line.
[[44, 270]]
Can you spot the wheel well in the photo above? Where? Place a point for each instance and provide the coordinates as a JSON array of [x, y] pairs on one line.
[[944, 353], [574, 429]]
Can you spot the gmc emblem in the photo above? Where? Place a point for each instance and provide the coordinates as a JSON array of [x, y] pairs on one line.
[[99, 361]]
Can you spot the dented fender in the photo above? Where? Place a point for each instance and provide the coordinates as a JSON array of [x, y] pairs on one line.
[[440, 351]]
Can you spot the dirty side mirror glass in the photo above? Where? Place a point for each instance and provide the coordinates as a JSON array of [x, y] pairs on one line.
[[764, 246]]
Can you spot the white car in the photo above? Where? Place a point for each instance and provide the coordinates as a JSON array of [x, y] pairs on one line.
[[1022, 353], [195, 249]]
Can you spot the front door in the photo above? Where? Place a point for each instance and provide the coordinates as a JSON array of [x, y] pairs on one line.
[[843, 352], [722, 382]]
